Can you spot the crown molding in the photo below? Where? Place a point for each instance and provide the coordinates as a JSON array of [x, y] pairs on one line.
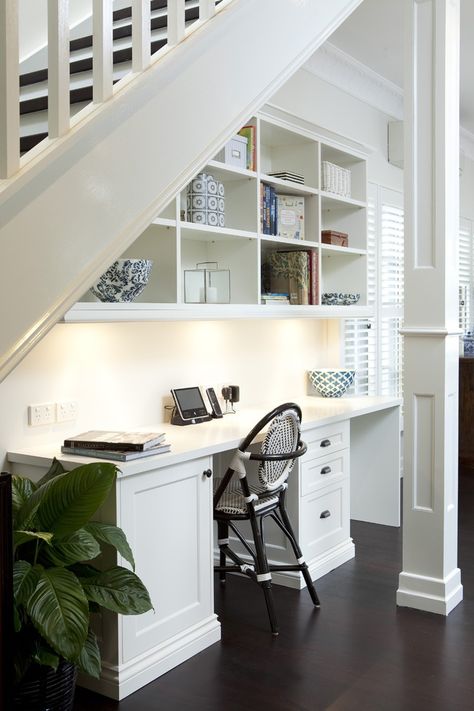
[[340, 69], [343, 71]]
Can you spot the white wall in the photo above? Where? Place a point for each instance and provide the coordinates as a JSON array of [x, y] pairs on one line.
[[325, 105], [120, 373], [34, 24]]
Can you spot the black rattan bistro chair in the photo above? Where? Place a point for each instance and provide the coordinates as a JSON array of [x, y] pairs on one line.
[[240, 501]]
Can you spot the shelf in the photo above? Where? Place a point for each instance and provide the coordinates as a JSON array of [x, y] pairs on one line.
[[295, 243], [206, 233], [225, 172], [343, 250], [176, 246], [288, 187], [110, 313], [164, 222], [331, 201]]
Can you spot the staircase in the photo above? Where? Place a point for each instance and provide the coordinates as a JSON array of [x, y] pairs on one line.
[[34, 84], [80, 196]]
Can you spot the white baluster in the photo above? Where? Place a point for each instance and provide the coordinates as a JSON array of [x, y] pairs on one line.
[[9, 90], [207, 8], [141, 38], [102, 68], [58, 67], [176, 22]]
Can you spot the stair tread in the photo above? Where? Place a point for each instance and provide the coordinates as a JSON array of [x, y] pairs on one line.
[[123, 31], [84, 65]]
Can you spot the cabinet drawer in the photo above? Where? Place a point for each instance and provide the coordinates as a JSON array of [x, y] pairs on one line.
[[320, 471], [324, 520], [326, 439]]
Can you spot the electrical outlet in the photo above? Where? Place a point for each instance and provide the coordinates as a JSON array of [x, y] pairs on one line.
[[43, 414], [66, 411]]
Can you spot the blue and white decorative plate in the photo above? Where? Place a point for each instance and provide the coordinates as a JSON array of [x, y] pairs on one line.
[[331, 382], [124, 280], [335, 299]]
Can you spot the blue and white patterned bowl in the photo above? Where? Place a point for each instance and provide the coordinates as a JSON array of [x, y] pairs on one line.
[[124, 280], [335, 299], [331, 382]]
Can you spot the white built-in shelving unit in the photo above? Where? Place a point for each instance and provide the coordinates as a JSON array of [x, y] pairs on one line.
[[175, 244]]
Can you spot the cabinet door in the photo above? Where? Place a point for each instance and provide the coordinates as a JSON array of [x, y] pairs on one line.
[[167, 517]]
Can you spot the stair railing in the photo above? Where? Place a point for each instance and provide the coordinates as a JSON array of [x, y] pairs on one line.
[[59, 121]]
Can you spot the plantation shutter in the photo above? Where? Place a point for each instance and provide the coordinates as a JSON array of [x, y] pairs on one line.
[[465, 274], [391, 293]]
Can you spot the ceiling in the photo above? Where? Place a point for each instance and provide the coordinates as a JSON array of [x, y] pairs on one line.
[[374, 35]]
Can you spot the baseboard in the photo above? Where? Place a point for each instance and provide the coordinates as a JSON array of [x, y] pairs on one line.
[[436, 595], [119, 682]]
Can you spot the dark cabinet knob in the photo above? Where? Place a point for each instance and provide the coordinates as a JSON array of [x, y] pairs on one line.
[[325, 514], [326, 470], [207, 472], [325, 443]]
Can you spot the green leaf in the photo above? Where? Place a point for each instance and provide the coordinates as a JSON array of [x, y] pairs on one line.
[[22, 489], [119, 590], [55, 469], [16, 619], [59, 610], [69, 500], [20, 537], [44, 655], [25, 578], [89, 658], [106, 533], [80, 545]]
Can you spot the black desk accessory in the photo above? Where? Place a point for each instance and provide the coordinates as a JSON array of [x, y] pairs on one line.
[[216, 408], [231, 395], [189, 407]]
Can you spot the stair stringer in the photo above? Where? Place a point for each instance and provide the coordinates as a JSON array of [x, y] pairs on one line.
[[78, 205]]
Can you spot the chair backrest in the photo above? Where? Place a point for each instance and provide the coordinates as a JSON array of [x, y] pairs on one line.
[[283, 437]]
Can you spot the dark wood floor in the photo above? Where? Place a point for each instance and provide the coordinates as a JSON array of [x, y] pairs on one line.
[[358, 652]]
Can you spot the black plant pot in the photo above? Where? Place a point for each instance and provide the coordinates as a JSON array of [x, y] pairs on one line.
[[44, 689]]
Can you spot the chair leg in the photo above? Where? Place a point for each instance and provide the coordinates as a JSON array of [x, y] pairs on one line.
[[298, 554], [263, 571], [222, 535]]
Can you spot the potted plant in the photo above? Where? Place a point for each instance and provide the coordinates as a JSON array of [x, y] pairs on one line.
[[60, 583]]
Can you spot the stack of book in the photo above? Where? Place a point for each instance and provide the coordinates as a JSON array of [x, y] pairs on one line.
[[295, 273], [288, 175], [118, 446], [277, 298], [282, 215]]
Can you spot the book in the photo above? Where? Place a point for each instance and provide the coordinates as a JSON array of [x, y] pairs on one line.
[[114, 454], [313, 267], [290, 274], [249, 132], [123, 441], [290, 216]]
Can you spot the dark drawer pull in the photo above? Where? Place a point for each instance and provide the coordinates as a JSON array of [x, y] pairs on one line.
[[325, 514], [326, 470], [207, 472], [325, 443]]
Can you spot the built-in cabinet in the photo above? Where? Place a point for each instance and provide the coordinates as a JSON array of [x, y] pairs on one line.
[[176, 245]]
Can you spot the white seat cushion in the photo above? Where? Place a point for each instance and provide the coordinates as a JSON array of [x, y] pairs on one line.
[[232, 500]]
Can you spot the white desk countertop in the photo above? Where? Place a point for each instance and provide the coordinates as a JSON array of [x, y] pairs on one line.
[[207, 438]]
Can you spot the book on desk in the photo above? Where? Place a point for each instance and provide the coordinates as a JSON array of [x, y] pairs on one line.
[[118, 446]]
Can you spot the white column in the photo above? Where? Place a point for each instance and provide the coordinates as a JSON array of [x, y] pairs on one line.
[[430, 579], [58, 68]]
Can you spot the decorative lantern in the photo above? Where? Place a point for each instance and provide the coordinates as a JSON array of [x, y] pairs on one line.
[[207, 284]]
